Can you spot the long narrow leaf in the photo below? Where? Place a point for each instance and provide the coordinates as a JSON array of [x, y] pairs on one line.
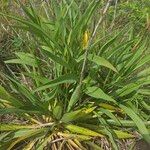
[[98, 93], [68, 78], [138, 121]]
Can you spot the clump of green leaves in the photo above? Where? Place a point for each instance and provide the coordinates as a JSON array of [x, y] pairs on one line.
[[59, 112]]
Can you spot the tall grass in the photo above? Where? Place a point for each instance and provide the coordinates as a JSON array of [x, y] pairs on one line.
[[74, 86]]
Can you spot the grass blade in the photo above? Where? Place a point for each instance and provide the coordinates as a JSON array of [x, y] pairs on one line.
[[98, 94], [68, 78], [138, 121]]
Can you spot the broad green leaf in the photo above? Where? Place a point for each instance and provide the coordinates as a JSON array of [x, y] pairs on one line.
[[83, 131], [120, 134], [25, 59], [123, 135], [109, 107], [11, 127], [98, 94], [71, 116], [57, 111], [68, 78], [19, 61], [27, 132], [75, 97], [101, 61], [75, 136], [77, 115], [138, 121]]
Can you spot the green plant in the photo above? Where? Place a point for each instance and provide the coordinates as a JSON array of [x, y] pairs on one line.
[[63, 105]]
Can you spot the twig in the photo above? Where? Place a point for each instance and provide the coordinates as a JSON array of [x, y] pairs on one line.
[[91, 40], [43, 125], [114, 17], [57, 140]]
